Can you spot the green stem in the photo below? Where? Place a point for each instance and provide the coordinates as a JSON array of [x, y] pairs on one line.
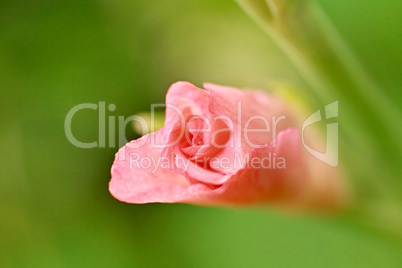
[[368, 89], [372, 135]]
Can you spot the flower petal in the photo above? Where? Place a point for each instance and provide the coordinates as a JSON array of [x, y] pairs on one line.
[[133, 181], [144, 172], [190, 100], [298, 185], [251, 110]]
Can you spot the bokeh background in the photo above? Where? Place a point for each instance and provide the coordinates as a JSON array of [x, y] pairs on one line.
[[55, 207]]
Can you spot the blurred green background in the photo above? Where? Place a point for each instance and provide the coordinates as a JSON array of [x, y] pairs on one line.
[[55, 207]]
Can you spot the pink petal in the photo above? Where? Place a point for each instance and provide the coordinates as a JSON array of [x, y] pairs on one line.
[[138, 184], [300, 185], [189, 98], [227, 101], [305, 182], [288, 186], [241, 107]]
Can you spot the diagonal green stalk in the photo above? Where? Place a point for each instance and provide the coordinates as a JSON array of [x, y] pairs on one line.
[[285, 30], [331, 70], [367, 87]]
